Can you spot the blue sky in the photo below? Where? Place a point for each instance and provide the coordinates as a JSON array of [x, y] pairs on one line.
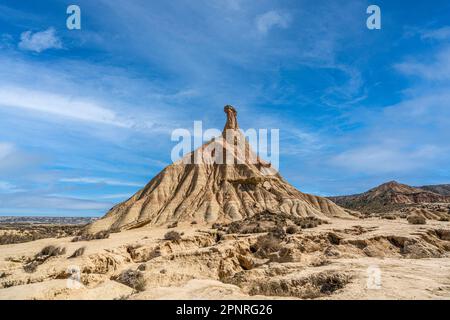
[[86, 115]]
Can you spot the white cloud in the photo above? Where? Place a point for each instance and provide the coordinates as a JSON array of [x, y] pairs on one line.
[[436, 34], [92, 180], [40, 41], [116, 196], [437, 69], [6, 149], [12, 203], [386, 158], [6, 187], [57, 104], [271, 19]]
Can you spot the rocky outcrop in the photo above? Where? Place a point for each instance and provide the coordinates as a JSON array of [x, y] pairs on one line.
[[222, 181]]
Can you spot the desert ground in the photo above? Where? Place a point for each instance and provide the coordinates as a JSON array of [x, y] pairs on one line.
[[351, 258]]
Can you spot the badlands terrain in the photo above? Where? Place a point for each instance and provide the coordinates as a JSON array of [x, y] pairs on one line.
[[338, 259], [238, 230]]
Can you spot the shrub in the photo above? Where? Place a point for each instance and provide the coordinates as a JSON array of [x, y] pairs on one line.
[[102, 235], [142, 267], [78, 253], [278, 232], [194, 222], [292, 229], [89, 237], [308, 222], [172, 236], [235, 227], [31, 267], [172, 225], [133, 279], [50, 251], [415, 219], [267, 244], [42, 256]]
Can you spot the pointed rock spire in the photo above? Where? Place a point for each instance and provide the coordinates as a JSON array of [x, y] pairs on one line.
[[231, 118], [209, 191]]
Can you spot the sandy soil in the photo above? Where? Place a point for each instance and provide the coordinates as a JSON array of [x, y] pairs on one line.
[[346, 259]]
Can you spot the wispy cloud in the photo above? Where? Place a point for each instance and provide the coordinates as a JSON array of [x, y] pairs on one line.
[[386, 158], [55, 104], [116, 196], [272, 19], [5, 150], [40, 41], [436, 34], [438, 68], [6, 187], [33, 203], [105, 181]]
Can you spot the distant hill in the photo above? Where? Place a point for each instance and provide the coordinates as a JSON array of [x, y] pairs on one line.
[[391, 196], [442, 189]]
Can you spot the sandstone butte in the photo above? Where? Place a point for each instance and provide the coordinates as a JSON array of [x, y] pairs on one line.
[[210, 191]]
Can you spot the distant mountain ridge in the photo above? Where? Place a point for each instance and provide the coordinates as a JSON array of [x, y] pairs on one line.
[[442, 189], [393, 195]]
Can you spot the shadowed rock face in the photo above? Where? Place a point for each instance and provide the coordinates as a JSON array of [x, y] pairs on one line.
[[210, 191]]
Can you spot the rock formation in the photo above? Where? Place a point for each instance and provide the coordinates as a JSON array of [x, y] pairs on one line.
[[389, 196], [222, 181]]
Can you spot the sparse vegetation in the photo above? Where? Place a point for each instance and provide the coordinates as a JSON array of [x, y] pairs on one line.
[[133, 279], [267, 221], [51, 251], [173, 225], [42, 256], [292, 229], [319, 262], [328, 282], [89, 237], [78, 253], [142, 267], [172, 236], [278, 232], [266, 245], [416, 219], [12, 233]]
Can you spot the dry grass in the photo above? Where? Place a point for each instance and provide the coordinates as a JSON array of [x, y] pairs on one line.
[[266, 245], [133, 279]]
